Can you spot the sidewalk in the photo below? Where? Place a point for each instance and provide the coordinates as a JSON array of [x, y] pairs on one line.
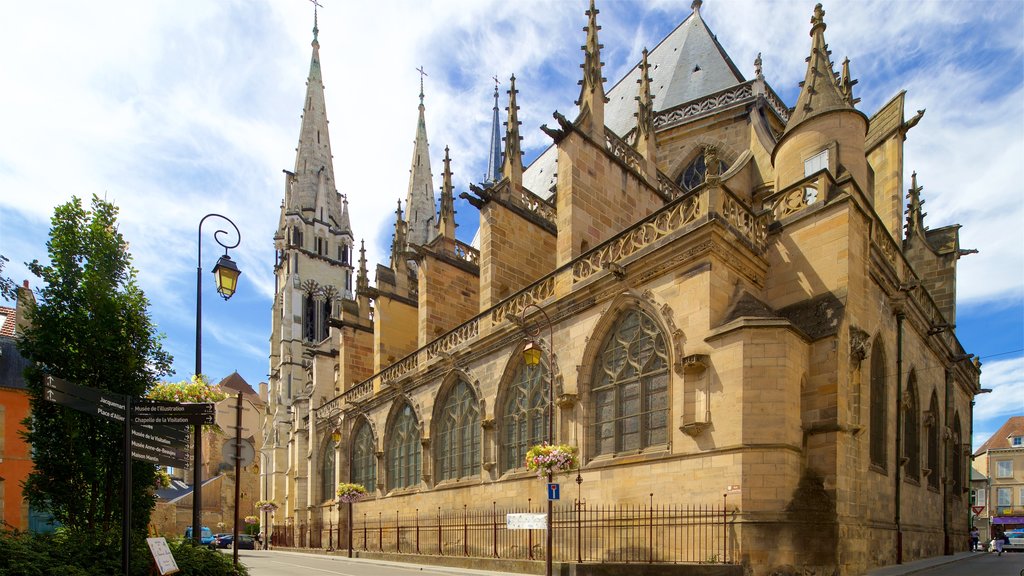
[[925, 564]]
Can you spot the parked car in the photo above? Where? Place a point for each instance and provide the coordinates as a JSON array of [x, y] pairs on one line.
[[246, 542], [1016, 538], [222, 541], [205, 535]]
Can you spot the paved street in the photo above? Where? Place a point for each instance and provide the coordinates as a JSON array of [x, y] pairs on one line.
[[276, 563], [1009, 564]]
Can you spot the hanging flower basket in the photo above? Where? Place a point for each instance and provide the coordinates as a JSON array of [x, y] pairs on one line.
[[162, 479], [552, 458], [195, 389], [252, 520], [266, 506], [350, 492]]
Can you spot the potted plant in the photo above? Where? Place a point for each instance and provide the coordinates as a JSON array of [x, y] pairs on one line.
[[551, 459]]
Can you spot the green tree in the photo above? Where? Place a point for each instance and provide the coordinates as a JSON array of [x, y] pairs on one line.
[[90, 326]]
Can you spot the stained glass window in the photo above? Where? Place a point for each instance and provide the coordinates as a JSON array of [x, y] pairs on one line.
[[364, 461], [911, 432], [878, 431], [695, 173], [327, 480], [458, 435], [524, 415], [630, 386], [404, 450]]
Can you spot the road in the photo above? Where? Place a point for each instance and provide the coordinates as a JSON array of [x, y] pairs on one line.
[[277, 563], [1009, 564]]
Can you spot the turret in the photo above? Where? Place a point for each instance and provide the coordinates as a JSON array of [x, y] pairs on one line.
[[446, 215], [592, 98], [513, 165], [825, 130]]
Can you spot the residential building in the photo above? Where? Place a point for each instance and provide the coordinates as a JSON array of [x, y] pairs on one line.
[[730, 295], [1001, 460]]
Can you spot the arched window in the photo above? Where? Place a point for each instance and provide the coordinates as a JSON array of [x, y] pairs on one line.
[[695, 173], [933, 442], [364, 461], [404, 450], [629, 389], [524, 414], [323, 320], [309, 318], [956, 460], [879, 388], [328, 484], [458, 435], [911, 431]]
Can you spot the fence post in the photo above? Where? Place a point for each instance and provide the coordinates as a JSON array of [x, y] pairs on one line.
[[440, 534], [365, 546], [650, 531], [725, 530], [494, 524], [380, 530], [465, 532], [417, 530], [529, 542], [398, 533]]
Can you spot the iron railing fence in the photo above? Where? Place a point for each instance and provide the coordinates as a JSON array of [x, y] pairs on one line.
[[641, 533]]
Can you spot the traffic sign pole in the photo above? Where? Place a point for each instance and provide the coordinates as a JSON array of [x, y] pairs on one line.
[[126, 521]]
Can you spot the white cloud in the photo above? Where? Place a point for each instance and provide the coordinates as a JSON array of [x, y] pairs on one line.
[[175, 109], [1007, 396]]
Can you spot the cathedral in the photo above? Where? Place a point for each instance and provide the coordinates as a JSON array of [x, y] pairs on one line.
[[731, 295]]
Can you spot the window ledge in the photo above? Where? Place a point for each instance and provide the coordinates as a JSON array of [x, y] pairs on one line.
[[648, 454], [878, 469], [457, 483]]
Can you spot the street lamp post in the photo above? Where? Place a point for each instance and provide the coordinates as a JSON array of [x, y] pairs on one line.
[[531, 355], [226, 274]]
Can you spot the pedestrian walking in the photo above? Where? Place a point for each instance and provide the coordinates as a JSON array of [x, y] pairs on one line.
[[998, 539], [974, 539]]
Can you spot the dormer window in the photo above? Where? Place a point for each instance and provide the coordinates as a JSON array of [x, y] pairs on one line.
[[696, 172], [1016, 441]]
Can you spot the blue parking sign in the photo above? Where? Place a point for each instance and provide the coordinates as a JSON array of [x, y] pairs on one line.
[[553, 491]]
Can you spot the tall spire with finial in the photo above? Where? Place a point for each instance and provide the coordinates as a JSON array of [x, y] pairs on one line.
[[915, 217], [513, 165], [592, 98], [846, 84], [419, 203], [446, 217], [494, 152], [363, 279], [398, 239], [645, 142], [819, 91]]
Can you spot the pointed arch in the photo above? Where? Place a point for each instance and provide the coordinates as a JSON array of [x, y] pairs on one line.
[[363, 460], [522, 409], [456, 431], [328, 469], [911, 430], [878, 419], [956, 459], [404, 451], [933, 423], [628, 395]]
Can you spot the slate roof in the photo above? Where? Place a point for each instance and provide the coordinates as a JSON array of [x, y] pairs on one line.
[[12, 364], [688, 64], [234, 383], [1014, 426]]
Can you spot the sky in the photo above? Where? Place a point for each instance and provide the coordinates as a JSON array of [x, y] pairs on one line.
[[174, 109]]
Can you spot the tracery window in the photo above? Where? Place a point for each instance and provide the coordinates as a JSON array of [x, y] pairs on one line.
[[933, 442], [364, 461], [458, 434], [630, 386], [879, 388], [404, 450], [696, 172], [327, 480], [525, 414], [911, 432]]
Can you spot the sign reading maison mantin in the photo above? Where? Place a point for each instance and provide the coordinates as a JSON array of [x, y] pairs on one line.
[[526, 521]]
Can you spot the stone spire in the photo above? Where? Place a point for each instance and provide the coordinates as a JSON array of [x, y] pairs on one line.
[[592, 98], [313, 184], [398, 239], [645, 142], [446, 216], [846, 84], [419, 203], [494, 152], [363, 279], [513, 165], [915, 217], [345, 224], [819, 92]]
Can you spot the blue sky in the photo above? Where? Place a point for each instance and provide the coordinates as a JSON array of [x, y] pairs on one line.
[[177, 108]]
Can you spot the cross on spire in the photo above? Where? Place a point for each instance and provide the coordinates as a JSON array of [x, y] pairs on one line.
[[422, 74], [316, 4]]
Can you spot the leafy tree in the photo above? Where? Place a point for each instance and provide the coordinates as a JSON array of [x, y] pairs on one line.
[[90, 326], [8, 289]]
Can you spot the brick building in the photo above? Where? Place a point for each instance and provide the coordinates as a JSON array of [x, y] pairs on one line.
[[731, 292]]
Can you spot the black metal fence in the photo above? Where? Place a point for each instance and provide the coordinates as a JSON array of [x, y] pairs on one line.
[[645, 533]]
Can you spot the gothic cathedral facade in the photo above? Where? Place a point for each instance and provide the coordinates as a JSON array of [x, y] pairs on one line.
[[727, 292]]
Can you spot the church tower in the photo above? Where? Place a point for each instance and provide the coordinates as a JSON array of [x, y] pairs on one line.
[[313, 276], [419, 203]]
